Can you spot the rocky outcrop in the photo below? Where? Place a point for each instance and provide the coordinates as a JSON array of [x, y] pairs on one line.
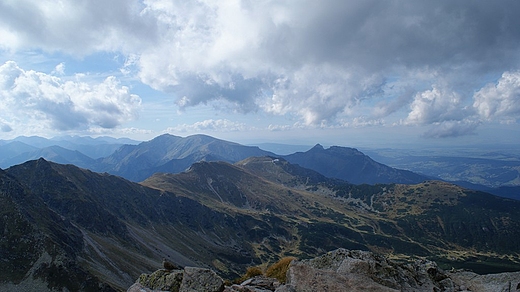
[[190, 279], [346, 270], [256, 284], [339, 270]]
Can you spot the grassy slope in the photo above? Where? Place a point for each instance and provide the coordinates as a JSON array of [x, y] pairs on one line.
[[431, 219]]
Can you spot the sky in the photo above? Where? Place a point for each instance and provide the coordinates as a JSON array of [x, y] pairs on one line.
[[335, 72]]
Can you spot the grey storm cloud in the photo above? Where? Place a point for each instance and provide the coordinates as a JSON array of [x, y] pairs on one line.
[[320, 61]]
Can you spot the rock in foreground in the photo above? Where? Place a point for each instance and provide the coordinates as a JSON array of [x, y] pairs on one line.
[[345, 270], [339, 270], [188, 280]]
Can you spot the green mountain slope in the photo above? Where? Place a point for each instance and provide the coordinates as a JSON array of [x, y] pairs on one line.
[[432, 219], [228, 217]]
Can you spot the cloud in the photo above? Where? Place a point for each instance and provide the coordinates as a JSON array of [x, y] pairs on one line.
[[220, 125], [4, 127], [500, 101], [434, 106], [77, 28], [445, 111], [30, 98], [319, 62], [60, 69], [452, 128]]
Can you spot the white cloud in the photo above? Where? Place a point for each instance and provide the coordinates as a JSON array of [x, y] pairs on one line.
[[220, 125], [35, 99], [500, 101], [60, 69], [360, 122], [434, 106], [276, 128]]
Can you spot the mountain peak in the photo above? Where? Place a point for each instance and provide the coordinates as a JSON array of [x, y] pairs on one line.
[[317, 147], [350, 165], [42, 161]]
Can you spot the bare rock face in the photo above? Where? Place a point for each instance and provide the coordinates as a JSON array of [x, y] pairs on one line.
[[197, 280], [503, 282], [162, 280], [346, 270], [256, 284], [190, 279]]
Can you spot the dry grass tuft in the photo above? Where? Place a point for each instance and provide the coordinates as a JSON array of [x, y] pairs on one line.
[[250, 273], [279, 269]]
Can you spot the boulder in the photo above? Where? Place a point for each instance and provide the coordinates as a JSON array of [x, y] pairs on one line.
[[346, 270], [354, 270], [255, 284], [162, 280], [201, 280], [502, 282], [190, 279]]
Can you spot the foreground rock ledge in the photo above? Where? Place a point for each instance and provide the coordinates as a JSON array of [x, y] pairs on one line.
[[339, 270], [188, 280]]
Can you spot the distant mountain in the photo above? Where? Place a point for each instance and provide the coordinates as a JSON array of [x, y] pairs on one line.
[[23, 148], [71, 225], [283, 149], [168, 153], [53, 153], [351, 165], [93, 147], [8, 150], [86, 140], [506, 192], [35, 141]]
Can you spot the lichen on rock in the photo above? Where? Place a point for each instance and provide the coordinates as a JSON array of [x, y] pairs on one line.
[[190, 279], [163, 280]]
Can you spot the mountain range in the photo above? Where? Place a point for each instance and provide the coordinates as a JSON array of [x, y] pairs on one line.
[[173, 154], [71, 228], [80, 151], [496, 171]]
